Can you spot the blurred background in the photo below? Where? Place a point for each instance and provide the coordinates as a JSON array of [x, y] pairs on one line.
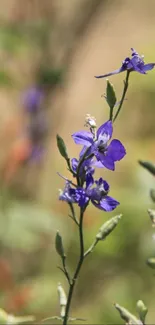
[[49, 53]]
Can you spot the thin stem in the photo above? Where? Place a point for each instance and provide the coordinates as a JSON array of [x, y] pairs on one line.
[[79, 264], [90, 249], [65, 270], [126, 84], [84, 157], [69, 167], [73, 215]]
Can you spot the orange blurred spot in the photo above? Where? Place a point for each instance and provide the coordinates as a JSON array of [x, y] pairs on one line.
[[18, 154]]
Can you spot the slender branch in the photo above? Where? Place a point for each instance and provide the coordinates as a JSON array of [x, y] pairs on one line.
[[73, 215], [65, 270], [79, 264], [91, 248], [126, 84], [84, 157]]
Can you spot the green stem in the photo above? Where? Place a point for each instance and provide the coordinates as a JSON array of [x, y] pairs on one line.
[[79, 264], [73, 215], [126, 84], [91, 248]]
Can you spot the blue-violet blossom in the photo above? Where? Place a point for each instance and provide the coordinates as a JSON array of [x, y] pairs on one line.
[[136, 63], [96, 194], [97, 145]]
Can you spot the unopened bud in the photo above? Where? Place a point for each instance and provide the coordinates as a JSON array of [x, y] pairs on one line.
[[151, 262], [108, 227], [127, 316], [62, 300], [142, 310], [151, 213], [59, 245], [90, 121]]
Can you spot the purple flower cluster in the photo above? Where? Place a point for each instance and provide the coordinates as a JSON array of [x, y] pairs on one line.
[[96, 152], [37, 122], [135, 63]]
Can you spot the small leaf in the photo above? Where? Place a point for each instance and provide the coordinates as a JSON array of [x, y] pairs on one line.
[[151, 262], [151, 213], [142, 310], [148, 165], [110, 95], [59, 245], [152, 194], [108, 227], [127, 316], [62, 147]]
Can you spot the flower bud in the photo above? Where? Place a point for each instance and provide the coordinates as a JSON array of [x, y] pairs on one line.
[[152, 194], [62, 147], [62, 300], [127, 316], [59, 245], [151, 262], [110, 95], [148, 165], [151, 213], [142, 310], [108, 227]]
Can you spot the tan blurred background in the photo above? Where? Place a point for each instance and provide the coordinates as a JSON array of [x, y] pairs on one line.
[[62, 44]]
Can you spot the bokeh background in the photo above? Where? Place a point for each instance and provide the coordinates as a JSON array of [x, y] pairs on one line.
[[49, 53]]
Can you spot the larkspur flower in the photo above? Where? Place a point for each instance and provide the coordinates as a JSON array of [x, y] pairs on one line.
[[86, 167], [32, 99], [105, 154], [94, 191], [136, 63]]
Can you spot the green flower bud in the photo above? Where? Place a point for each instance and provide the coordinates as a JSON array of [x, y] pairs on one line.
[[152, 194], [110, 95], [148, 165], [59, 245], [142, 310], [151, 262], [151, 213], [108, 227], [62, 147], [127, 316]]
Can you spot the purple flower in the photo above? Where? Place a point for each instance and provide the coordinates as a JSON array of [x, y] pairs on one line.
[[105, 154], [32, 99], [96, 194], [136, 63], [86, 167]]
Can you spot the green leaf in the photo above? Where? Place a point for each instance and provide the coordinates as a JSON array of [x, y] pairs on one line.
[[148, 165], [110, 95], [127, 316], [108, 227], [142, 310], [59, 245], [62, 147]]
